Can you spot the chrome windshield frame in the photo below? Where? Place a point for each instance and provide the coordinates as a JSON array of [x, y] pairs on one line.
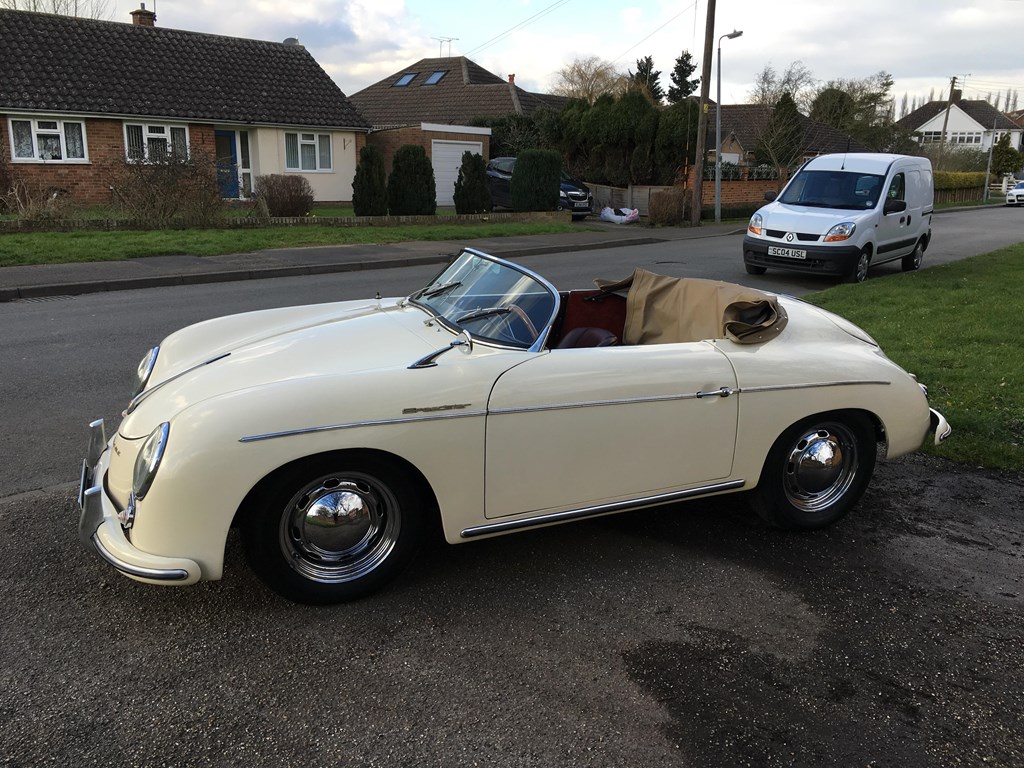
[[542, 337]]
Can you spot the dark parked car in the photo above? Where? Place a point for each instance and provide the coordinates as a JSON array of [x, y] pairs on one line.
[[573, 196]]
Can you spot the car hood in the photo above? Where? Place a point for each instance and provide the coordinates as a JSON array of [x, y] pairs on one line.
[[257, 348], [799, 218]]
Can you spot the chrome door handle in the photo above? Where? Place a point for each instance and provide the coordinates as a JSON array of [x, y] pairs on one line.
[[723, 392]]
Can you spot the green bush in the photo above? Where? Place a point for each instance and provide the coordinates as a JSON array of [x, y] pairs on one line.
[[285, 194], [958, 180], [167, 189], [411, 187], [370, 185], [471, 192], [536, 180]]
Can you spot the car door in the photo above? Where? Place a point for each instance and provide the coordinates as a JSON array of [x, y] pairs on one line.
[[499, 181], [895, 236], [578, 427]]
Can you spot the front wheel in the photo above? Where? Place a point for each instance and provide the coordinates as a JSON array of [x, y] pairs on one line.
[[816, 471], [860, 270], [334, 529], [913, 259]]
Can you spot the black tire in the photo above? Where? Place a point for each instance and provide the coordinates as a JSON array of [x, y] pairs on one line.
[[816, 471], [860, 269], [753, 269], [912, 260], [334, 529]]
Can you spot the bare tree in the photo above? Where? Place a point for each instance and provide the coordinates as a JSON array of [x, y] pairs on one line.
[[90, 9], [796, 80], [588, 78]]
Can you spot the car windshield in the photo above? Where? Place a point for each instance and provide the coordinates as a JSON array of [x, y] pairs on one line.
[[492, 299], [845, 190]]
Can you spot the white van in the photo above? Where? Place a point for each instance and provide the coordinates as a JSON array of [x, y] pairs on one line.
[[841, 214]]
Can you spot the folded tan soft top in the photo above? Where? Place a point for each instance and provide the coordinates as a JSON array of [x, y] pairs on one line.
[[667, 310]]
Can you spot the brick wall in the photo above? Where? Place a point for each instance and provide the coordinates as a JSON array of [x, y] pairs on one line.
[[89, 183], [391, 139]]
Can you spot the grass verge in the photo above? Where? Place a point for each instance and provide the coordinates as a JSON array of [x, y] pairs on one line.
[[957, 326], [69, 247]]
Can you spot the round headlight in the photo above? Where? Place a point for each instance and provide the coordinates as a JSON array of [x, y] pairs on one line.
[[148, 460], [145, 369]]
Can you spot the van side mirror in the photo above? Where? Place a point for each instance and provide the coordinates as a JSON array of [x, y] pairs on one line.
[[770, 195], [894, 206]]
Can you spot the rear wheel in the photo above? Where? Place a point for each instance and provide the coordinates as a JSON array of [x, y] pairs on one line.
[[913, 259], [334, 529], [816, 471]]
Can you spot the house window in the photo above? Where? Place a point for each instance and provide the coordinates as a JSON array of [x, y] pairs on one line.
[[60, 141], [931, 137], [965, 137], [436, 77], [307, 151], [405, 79], [151, 143]]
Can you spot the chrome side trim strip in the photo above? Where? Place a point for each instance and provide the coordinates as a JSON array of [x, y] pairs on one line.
[[600, 509], [355, 424], [592, 404], [170, 574], [147, 392], [813, 385]]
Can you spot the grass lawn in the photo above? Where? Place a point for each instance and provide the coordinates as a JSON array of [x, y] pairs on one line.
[[957, 327], [67, 247]]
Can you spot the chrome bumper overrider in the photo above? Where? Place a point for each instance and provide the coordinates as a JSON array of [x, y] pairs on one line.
[[939, 426], [100, 530]]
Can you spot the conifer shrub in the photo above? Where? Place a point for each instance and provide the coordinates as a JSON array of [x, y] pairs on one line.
[[370, 185], [471, 192], [411, 187], [536, 180]]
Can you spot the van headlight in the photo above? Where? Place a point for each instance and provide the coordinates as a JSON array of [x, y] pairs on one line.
[[754, 227], [145, 370], [148, 460], [843, 231]]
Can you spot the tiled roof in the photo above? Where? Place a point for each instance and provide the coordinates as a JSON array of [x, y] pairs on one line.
[[467, 90], [978, 110], [748, 121], [59, 64]]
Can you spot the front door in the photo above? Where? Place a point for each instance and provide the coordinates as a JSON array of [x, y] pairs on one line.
[[227, 163], [577, 427]]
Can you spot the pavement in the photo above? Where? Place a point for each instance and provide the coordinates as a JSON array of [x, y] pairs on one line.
[[28, 282]]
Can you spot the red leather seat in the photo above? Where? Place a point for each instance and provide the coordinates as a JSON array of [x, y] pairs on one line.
[[588, 337]]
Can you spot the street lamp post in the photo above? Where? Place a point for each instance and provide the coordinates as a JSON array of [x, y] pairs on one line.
[[718, 130]]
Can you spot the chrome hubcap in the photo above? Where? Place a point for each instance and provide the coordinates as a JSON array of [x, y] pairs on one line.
[[340, 527], [820, 468]]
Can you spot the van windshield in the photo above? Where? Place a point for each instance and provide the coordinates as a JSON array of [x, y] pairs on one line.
[[834, 189]]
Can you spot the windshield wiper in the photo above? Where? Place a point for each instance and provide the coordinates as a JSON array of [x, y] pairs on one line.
[[428, 293], [482, 313]]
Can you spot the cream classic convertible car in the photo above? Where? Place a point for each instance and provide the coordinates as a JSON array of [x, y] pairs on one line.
[[486, 402]]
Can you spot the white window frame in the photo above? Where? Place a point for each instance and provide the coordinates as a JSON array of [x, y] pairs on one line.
[[156, 132], [314, 140], [37, 131]]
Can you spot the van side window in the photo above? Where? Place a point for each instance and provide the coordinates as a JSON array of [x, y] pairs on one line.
[[897, 189]]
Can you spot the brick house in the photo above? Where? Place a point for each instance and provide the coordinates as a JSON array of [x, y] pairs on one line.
[[431, 104], [77, 95]]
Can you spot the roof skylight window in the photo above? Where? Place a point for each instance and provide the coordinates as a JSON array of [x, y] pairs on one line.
[[405, 79], [436, 77]]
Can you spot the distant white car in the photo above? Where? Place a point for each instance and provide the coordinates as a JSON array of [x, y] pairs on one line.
[[1015, 195], [487, 402]]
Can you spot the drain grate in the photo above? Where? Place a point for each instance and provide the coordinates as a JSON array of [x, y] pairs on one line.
[[41, 299]]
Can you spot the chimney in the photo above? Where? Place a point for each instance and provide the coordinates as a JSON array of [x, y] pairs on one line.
[[143, 18], [512, 79], [956, 95]]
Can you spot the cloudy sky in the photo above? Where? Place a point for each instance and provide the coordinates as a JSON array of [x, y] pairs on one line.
[[922, 43]]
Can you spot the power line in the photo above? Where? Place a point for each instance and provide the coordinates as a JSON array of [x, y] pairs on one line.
[[656, 31], [540, 14]]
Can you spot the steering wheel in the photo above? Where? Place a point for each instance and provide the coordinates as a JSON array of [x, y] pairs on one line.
[[521, 314]]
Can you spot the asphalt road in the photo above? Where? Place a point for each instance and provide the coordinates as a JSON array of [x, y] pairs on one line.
[[688, 636]]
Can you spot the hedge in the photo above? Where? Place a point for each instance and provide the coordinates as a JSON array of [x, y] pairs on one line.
[[958, 180]]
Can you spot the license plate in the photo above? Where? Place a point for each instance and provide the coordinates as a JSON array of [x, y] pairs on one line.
[[789, 253], [582, 205]]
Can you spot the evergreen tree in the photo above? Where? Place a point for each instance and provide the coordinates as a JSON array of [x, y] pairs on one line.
[[682, 86], [471, 192], [647, 79], [781, 143], [370, 185], [411, 187]]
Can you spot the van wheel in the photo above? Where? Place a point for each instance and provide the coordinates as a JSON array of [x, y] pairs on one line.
[[753, 269], [860, 271], [912, 260]]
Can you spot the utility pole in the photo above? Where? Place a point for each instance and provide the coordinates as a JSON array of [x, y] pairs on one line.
[[945, 120], [702, 118]]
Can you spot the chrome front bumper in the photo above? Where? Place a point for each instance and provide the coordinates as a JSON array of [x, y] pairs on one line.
[[100, 529], [939, 426]]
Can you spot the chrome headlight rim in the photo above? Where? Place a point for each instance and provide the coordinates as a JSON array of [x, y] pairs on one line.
[[145, 369], [148, 461]]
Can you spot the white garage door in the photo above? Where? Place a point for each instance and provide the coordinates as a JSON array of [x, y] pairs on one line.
[[447, 158]]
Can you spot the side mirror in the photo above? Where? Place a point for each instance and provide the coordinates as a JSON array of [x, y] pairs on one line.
[[894, 206], [770, 195], [463, 342]]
